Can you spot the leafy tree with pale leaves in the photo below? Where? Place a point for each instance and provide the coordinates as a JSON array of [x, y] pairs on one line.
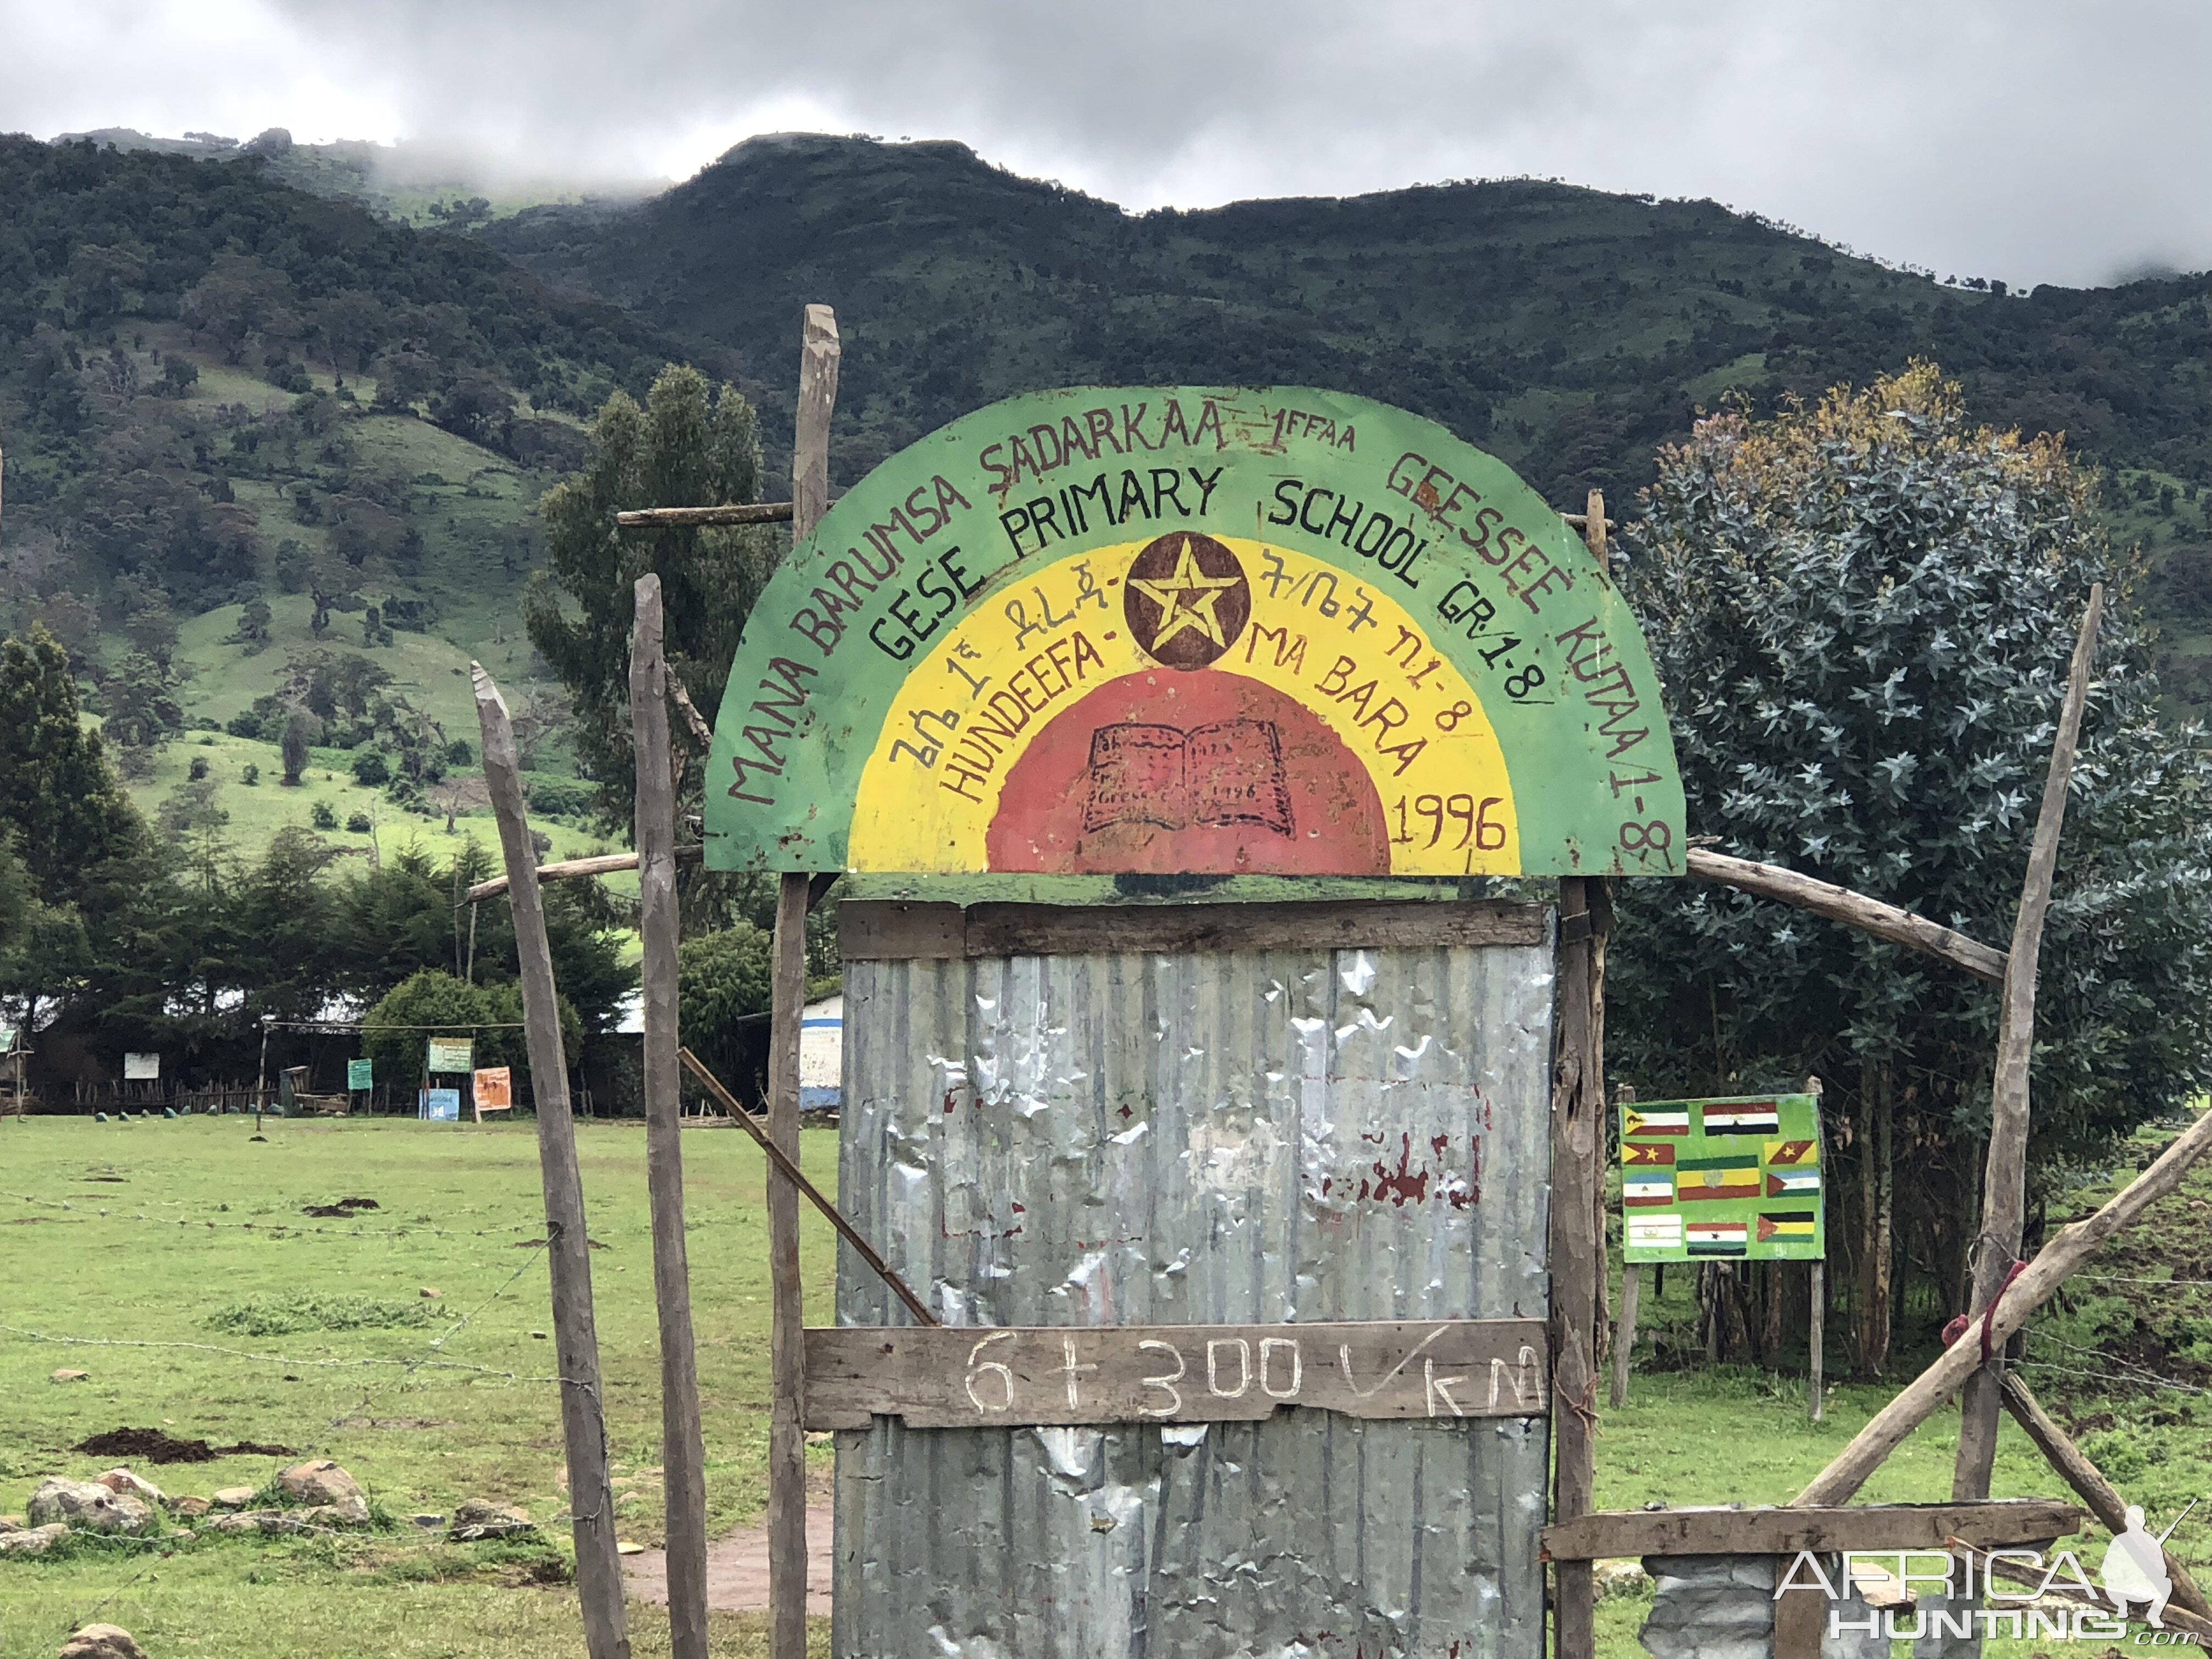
[[1861, 612]]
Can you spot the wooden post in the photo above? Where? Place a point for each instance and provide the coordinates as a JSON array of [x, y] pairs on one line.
[[261, 1087], [818, 354], [683, 1451], [1631, 1286], [1822, 898], [2067, 1249], [787, 1443], [1815, 1333], [568, 1255], [1624, 1334], [1578, 1103], [2004, 1178], [1816, 1319], [2089, 1480]]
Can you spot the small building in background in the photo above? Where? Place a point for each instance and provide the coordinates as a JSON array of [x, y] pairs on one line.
[[822, 1055]]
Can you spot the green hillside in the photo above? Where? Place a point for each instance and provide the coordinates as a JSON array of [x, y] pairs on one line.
[[255, 438], [1566, 330]]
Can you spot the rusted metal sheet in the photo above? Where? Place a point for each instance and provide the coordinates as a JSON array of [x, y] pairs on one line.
[[1271, 1138]]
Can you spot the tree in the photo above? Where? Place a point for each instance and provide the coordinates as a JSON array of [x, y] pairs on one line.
[[686, 448], [67, 813], [1861, 612], [371, 769], [301, 731], [142, 703], [722, 977], [395, 1034]]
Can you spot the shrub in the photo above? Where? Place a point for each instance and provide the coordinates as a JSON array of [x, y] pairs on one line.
[[371, 769], [197, 769], [322, 817], [358, 823], [251, 777]]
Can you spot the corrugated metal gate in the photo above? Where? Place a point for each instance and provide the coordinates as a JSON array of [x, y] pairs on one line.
[[1207, 1137]]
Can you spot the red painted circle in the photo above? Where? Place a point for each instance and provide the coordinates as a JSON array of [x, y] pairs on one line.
[[1205, 773]]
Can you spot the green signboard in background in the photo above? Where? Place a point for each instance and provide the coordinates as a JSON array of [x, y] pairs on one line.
[[450, 1054], [360, 1074], [1707, 1179]]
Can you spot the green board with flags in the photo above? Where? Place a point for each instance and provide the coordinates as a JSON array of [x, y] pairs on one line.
[[1739, 1179]]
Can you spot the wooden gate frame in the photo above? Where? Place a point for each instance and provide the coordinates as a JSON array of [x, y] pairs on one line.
[[1578, 1142]]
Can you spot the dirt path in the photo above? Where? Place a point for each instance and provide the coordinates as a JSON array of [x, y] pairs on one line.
[[736, 1568]]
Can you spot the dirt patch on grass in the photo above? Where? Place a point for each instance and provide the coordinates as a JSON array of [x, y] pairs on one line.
[[345, 1206], [154, 1446]]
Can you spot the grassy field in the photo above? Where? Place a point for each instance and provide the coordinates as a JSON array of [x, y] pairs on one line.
[[194, 1237], [189, 1238]]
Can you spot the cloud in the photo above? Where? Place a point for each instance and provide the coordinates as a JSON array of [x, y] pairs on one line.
[[2034, 141]]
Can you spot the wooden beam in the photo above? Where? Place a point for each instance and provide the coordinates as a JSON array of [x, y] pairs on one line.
[[1771, 1531], [575, 1335], [1577, 1100], [2089, 1481], [603, 864], [2067, 1249], [797, 1176], [786, 1441], [1853, 910], [786, 1449], [683, 1453], [681, 518], [896, 930], [2004, 1170], [961, 1376]]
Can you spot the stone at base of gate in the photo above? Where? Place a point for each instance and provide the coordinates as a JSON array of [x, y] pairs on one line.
[[89, 1505], [1722, 1607]]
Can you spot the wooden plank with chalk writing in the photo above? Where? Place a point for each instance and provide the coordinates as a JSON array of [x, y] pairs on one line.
[[953, 1377]]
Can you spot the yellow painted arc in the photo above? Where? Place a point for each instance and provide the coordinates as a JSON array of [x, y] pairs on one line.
[[1030, 649]]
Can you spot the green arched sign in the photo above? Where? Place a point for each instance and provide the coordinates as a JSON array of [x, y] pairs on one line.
[[1180, 630]]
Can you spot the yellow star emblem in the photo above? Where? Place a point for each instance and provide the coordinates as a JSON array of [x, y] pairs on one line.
[[1186, 599]]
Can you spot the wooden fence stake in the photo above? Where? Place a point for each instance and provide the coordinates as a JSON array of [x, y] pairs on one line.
[[683, 1451], [1624, 1335], [1631, 1286], [2089, 1481], [1578, 1103], [787, 1441], [2067, 1249], [1816, 1319], [568, 1253], [1813, 1337], [2004, 1178]]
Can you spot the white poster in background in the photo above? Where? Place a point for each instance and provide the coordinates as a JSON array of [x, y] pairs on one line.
[[142, 1068]]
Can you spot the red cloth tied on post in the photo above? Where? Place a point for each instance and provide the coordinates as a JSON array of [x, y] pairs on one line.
[[1957, 1326]]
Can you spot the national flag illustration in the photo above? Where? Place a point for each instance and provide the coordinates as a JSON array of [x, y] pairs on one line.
[[1646, 1153], [1640, 1123], [1655, 1233], [1637, 1189], [1784, 1224], [1793, 1183], [1702, 1186], [1719, 1237], [1757, 1118], [1784, 1152]]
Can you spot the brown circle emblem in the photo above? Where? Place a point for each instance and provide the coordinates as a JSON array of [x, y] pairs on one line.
[[1186, 599]]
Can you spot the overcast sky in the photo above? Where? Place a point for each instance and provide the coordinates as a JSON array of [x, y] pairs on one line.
[[2034, 140]]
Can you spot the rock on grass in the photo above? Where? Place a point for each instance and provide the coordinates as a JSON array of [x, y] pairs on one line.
[[88, 1505]]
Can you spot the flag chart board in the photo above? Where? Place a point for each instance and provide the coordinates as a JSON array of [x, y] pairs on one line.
[[1739, 1179], [1191, 631]]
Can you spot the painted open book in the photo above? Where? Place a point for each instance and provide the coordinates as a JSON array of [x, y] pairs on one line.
[[1225, 773]]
